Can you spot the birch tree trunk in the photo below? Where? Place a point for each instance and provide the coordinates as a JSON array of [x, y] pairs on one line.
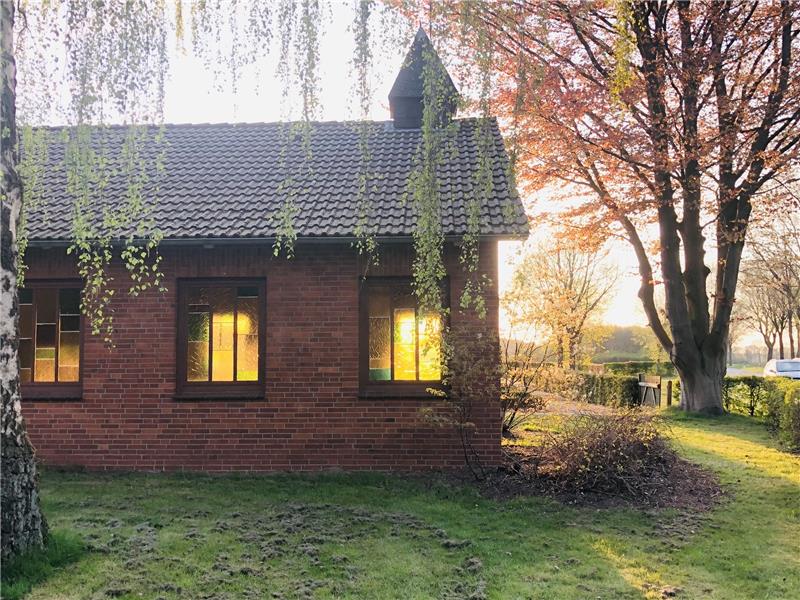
[[23, 526]]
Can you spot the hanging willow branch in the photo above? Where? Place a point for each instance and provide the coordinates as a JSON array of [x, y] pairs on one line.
[[362, 59]]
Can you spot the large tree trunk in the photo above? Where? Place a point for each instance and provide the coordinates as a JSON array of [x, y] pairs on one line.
[[701, 391], [23, 526], [701, 381]]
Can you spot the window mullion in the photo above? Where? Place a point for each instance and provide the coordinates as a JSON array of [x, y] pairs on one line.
[[34, 333], [235, 335], [391, 335], [416, 343], [58, 334], [210, 342]]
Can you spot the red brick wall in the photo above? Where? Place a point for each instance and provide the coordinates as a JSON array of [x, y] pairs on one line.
[[311, 416]]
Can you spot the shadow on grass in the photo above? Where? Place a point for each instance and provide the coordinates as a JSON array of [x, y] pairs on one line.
[[735, 439], [23, 572]]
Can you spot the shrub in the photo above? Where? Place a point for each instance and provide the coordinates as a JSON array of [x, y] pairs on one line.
[[789, 427], [622, 454], [634, 367], [522, 367], [747, 394], [783, 412]]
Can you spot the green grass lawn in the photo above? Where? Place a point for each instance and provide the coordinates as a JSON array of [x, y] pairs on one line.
[[378, 536]]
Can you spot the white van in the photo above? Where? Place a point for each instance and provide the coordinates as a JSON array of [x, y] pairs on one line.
[[780, 367]]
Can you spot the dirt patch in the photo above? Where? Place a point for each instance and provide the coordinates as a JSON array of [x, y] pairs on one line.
[[280, 551], [686, 486], [573, 450]]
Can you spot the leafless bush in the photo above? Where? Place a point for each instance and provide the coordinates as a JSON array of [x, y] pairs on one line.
[[522, 365], [621, 454], [470, 376]]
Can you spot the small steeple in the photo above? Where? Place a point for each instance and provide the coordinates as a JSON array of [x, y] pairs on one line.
[[406, 96]]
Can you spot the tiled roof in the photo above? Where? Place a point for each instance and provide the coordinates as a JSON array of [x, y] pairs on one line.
[[228, 181]]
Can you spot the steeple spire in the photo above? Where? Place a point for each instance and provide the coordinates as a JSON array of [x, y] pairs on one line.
[[407, 95]]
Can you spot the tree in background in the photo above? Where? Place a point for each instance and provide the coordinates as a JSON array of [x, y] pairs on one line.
[[563, 289], [762, 307], [652, 347], [665, 114], [774, 262], [738, 327]]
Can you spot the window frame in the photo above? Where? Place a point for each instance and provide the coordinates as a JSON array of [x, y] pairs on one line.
[[392, 388], [212, 390], [54, 390]]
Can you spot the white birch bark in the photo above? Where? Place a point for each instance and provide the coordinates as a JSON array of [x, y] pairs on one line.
[[23, 526]]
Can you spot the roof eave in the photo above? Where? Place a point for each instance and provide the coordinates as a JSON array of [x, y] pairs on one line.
[[238, 241]]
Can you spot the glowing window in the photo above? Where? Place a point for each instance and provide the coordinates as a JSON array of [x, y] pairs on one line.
[[403, 343], [222, 325], [50, 334]]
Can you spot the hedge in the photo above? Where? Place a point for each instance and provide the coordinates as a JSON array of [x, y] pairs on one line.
[[594, 388], [607, 390], [634, 367], [775, 399]]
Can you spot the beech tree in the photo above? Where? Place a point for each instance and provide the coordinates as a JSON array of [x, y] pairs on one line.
[[667, 116]]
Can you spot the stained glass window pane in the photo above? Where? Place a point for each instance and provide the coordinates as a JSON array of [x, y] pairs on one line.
[[45, 361], [405, 344], [26, 320], [247, 358], [26, 329], [197, 359], [70, 323], [69, 301], [197, 351], [430, 347], [222, 306], [380, 331], [46, 306], [198, 295], [45, 364], [26, 353], [68, 356], [45, 336]]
